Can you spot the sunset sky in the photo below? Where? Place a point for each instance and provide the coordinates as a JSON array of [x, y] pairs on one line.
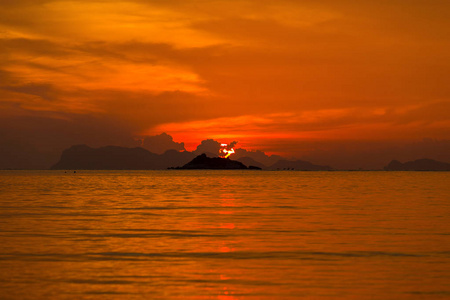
[[285, 77]]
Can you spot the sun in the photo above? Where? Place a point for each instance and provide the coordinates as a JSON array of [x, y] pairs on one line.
[[225, 151]]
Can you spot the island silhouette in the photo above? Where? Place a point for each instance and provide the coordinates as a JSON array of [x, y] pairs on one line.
[[203, 162]]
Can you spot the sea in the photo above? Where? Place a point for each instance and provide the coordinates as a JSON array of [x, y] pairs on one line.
[[204, 234]]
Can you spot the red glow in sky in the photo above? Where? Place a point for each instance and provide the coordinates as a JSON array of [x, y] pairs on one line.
[[274, 75]]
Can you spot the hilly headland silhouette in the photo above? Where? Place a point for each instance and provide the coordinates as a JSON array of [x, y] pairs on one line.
[[423, 164], [83, 157]]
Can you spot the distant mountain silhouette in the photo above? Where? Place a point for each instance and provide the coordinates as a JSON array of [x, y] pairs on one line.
[[83, 157], [213, 163], [418, 165], [298, 165], [248, 161], [172, 158]]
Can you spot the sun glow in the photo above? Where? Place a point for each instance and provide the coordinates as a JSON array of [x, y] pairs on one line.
[[225, 151]]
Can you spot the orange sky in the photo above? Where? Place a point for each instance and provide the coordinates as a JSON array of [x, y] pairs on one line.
[[265, 73]]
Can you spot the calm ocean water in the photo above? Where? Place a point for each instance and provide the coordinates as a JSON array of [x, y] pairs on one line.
[[224, 235]]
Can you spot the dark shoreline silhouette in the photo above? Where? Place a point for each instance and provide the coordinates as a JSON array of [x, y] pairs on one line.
[[298, 165], [83, 157]]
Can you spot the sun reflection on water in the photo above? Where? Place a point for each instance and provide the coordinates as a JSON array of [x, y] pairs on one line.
[[223, 235]]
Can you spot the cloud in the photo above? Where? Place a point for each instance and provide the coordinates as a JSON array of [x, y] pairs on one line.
[[161, 143], [256, 155], [213, 147], [43, 91], [31, 48], [208, 146]]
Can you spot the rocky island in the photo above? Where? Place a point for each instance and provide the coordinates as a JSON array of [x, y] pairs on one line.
[[203, 162]]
